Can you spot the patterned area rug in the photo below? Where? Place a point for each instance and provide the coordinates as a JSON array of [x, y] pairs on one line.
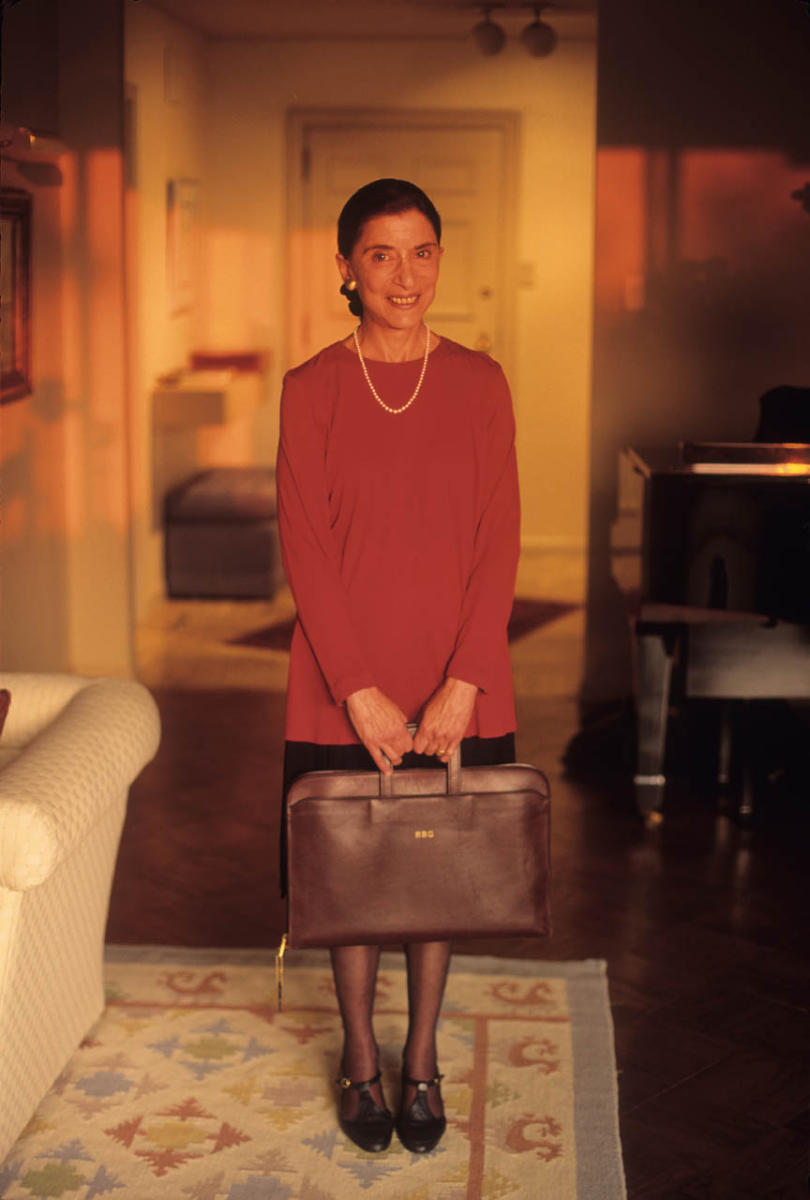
[[192, 1086]]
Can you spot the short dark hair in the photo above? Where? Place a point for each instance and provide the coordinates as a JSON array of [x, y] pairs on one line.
[[381, 196]]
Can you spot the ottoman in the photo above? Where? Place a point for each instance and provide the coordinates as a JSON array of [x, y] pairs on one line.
[[222, 536]]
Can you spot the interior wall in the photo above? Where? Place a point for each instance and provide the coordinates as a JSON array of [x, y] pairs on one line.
[[64, 535], [702, 255], [253, 86], [168, 100], [33, 545]]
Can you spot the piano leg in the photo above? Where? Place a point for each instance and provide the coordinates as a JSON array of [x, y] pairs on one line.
[[725, 748], [735, 769], [655, 650], [748, 731]]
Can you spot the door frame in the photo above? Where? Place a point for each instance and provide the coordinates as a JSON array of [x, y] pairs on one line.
[[505, 121]]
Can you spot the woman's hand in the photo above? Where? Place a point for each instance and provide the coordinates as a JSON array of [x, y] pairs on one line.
[[445, 719], [381, 726]]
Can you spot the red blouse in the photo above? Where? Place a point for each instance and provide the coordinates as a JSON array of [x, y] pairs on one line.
[[400, 535]]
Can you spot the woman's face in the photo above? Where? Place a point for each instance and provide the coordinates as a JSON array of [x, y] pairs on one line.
[[395, 263]]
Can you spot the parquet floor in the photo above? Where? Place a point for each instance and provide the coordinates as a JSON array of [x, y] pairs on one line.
[[704, 924]]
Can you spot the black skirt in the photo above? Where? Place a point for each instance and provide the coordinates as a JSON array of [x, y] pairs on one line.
[[300, 757]]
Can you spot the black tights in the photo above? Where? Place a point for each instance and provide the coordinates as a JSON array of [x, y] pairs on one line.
[[355, 971]]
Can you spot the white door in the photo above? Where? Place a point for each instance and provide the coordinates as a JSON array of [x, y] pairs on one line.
[[464, 169]]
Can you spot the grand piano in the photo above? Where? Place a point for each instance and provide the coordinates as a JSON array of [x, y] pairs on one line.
[[711, 548]]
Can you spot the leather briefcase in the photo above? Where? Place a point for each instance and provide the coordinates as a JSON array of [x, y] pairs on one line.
[[419, 855]]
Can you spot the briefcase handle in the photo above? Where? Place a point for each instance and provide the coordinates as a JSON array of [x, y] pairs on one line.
[[453, 771]]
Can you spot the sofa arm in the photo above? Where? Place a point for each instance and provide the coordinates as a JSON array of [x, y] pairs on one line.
[[63, 780], [37, 699]]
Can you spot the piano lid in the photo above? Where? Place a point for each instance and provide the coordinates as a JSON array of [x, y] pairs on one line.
[[769, 460], [748, 457]]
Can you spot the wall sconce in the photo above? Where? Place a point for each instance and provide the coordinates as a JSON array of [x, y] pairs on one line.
[[488, 37], [538, 38], [20, 144]]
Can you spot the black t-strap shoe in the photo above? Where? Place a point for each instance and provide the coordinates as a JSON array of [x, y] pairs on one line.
[[372, 1127], [419, 1129]]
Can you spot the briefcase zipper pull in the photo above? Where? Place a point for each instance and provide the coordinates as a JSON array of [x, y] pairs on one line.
[[280, 971]]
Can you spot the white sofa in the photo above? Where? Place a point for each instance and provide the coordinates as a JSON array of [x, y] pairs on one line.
[[69, 751]]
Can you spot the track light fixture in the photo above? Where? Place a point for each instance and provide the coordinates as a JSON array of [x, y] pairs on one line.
[[538, 38], [489, 37]]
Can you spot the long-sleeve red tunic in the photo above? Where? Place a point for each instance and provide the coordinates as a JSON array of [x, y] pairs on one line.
[[399, 534]]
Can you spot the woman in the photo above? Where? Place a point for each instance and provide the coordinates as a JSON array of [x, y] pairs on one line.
[[399, 520]]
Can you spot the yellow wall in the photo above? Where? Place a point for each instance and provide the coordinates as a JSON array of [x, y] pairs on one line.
[[64, 538], [169, 93], [166, 80], [255, 83], [33, 627]]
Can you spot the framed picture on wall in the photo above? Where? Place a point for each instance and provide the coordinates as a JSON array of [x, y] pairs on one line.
[[15, 294], [182, 207]]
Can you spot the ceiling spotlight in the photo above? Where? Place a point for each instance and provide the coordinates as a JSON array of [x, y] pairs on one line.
[[488, 37], [538, 37]]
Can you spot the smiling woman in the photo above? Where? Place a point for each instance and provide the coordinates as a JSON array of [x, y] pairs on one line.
[[389, 262], [394, 267], [399, 521]]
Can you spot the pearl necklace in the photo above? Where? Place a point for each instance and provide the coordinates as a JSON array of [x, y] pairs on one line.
[[415, 392]]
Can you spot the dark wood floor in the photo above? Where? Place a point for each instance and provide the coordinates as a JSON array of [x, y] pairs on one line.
[[704, 926]]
